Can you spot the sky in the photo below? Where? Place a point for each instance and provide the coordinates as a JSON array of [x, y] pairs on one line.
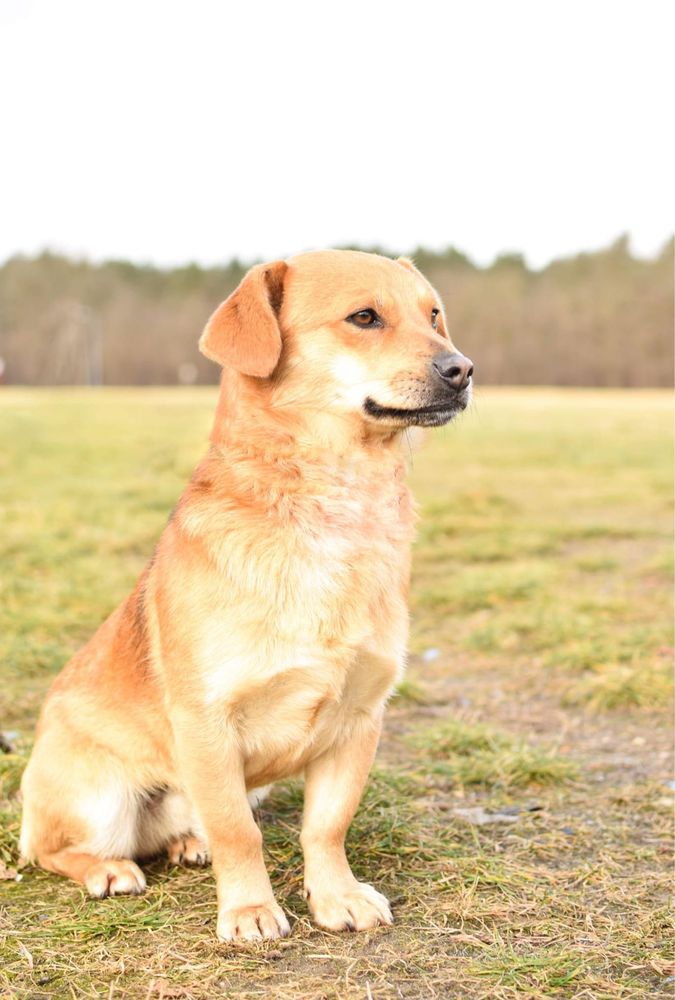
[[167, 132]]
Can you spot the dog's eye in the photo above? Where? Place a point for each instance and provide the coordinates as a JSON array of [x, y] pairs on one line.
[[434, 317], [364, 318]]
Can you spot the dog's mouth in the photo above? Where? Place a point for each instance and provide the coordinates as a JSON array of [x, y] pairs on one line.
[[433, 415]]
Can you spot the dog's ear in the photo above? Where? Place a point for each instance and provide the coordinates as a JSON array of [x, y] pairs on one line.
[[407, 263], [243, 332]]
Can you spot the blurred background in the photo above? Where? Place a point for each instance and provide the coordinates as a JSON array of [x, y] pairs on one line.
[[601, 318], [521, 152]]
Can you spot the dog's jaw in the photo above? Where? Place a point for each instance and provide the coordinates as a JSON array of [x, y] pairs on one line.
[[432, 415]]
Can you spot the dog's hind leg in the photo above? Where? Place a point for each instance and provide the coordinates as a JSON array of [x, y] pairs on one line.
[[168, 821], [82, 821], [189, 850], [101, 876]]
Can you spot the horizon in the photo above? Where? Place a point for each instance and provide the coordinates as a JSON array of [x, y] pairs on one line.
[[440, 252]]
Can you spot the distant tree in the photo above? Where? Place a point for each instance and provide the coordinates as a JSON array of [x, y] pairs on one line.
[[601, 318]]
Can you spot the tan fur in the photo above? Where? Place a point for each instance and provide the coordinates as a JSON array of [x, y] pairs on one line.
[[268, 630]]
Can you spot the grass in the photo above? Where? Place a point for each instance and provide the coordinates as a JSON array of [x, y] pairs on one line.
[[539, 688], [480, 755]]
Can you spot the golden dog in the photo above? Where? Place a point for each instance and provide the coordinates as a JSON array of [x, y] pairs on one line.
[[270, 626]]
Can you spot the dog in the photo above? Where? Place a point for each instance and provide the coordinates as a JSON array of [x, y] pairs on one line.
[[270, 626]]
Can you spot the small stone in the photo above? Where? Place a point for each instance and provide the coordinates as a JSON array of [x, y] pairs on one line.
[[430, 654], [479, 817]]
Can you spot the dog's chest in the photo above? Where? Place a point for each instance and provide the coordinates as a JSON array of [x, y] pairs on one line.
[[319, 563], [347, 566], [316, 629]]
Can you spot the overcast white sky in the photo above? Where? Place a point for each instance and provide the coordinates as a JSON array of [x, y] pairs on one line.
[[169, 131]]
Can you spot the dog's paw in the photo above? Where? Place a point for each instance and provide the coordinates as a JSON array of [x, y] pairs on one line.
[[189, 851], [113, 878], [253, 923], [358, 907]]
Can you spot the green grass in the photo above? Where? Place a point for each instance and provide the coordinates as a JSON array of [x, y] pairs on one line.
[[556, 547], [539, 683], [479, 755]]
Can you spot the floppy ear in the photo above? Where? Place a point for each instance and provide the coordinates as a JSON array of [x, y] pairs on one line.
[[243, 332]]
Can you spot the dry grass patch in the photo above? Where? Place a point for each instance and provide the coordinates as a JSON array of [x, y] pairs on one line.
[[623, 686]]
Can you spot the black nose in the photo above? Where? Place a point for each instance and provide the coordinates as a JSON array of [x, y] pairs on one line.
[[454, 369]]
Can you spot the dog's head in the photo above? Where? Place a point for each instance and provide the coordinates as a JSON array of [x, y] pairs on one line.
[[343, 333]]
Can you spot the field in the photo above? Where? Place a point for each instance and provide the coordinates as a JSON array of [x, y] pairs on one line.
[[520, 814]]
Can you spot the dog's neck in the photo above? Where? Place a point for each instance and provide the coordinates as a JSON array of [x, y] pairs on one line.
[[266, 461], [246, 417]]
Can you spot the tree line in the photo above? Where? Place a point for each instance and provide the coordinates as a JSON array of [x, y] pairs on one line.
[[598, 319]]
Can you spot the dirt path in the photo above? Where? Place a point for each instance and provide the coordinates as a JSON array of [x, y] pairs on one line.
[[616, 748]]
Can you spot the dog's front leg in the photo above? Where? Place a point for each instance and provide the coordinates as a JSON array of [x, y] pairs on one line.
[[213, 769], [333, 786]]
